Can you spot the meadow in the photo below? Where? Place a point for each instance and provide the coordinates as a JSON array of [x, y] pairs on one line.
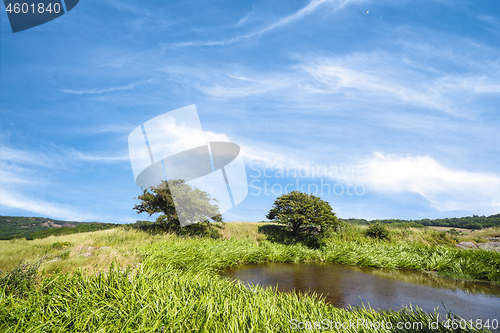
[[132, 281]]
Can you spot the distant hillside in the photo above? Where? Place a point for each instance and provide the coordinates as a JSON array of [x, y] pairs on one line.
[[469, 222], [41, 227]]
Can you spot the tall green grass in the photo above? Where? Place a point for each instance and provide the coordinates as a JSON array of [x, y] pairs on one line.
[[176, 300], [473, 264], [177, 287], [211, 255]]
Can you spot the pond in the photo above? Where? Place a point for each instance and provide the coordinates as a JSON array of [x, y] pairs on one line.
[[343, 285]]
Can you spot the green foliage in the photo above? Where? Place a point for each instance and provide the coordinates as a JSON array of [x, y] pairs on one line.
[[13, 227], [197, 206], [308, 236], [12, 237], [470, 222], [442, 237], [297, 209], [21, 279], [59, 245], [377, 230]]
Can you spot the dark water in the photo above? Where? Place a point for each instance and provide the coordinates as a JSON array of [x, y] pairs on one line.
[[380, 288]]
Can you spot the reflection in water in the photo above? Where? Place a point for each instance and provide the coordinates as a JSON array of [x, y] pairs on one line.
[[382, 289], [431, 280]]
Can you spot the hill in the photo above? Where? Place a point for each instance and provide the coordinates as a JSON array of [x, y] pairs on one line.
[[469, 222], [41, 227]]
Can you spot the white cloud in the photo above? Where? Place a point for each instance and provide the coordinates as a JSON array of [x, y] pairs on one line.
[[307, 10], [17, 175], [110, 89], [24, 171], [392, 82], [104, 128], [445, 188], [19, 156], [383, 78], [42, 207], [335, 76], [77, 155], [276, 157], [239, 85], [472, 84], [245, 19]]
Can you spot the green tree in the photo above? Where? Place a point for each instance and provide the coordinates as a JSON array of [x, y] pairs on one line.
[[194, 205], [378, 230], [296, 209]]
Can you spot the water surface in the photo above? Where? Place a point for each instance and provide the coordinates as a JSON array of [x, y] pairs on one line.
[[343, 285]]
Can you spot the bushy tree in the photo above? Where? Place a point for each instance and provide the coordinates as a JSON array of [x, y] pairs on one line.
[[197, 205], [378, 230], [296, 209]]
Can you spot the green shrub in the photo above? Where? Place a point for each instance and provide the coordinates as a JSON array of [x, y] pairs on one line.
[[442, 237], [454, 232], [200, 229], [21, 279], [12, 237], [378, 230], [59, 245]]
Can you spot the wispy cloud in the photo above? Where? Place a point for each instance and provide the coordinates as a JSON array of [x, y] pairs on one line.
[[43, 208], [15, 156], [382, 77], [364, 79], [245, 19], [334, 76], [446, 189], [239, 86], [29, 171], [106, 90], [105, 129], [143, 19], [98, 158], [307, 10], [17, 176]]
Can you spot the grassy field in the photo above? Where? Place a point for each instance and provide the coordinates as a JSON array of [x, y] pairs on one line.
[[462, 230], [93, 281]]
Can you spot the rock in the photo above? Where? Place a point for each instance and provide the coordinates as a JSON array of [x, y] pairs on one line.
[[467, 245], [490, 246], [51, 224], [495, 247], [87, 254]]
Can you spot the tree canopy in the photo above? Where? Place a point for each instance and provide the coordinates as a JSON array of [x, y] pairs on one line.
[[296, 209], [193, 205]]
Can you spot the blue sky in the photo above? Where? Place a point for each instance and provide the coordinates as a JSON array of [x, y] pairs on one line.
[[392, 104]]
